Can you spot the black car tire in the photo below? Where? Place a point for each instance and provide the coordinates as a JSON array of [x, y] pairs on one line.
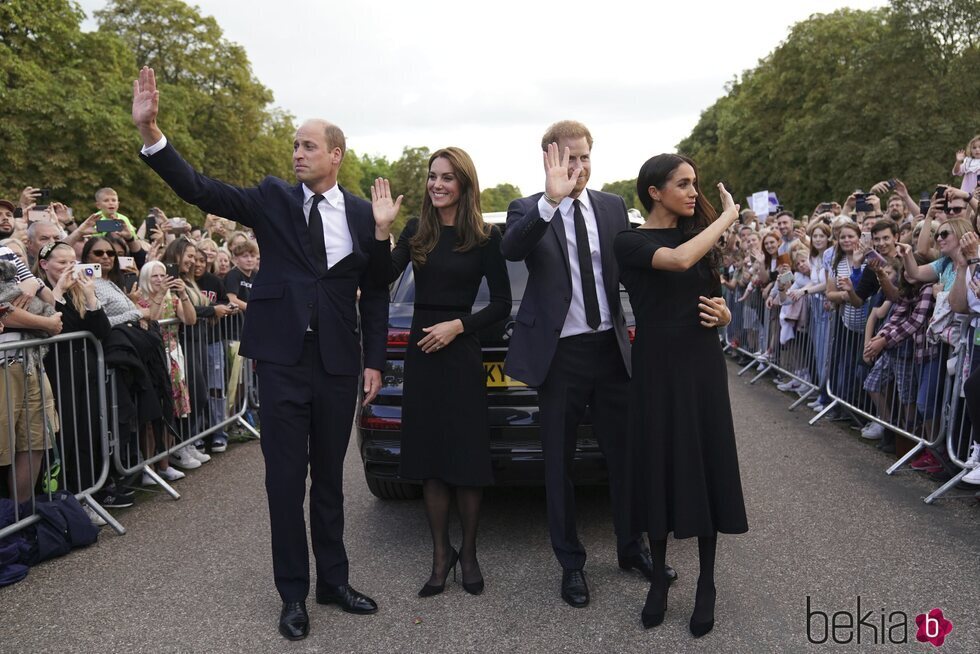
[[392, 490]]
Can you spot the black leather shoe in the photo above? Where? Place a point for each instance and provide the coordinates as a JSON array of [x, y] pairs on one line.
[[347, 598], [294, 622], [644, 564], [574, 589]]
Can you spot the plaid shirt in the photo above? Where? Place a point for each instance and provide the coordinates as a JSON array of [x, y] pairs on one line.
[[910, 318]]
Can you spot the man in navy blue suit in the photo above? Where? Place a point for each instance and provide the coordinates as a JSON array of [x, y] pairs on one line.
[[570, 340], [320, 244]]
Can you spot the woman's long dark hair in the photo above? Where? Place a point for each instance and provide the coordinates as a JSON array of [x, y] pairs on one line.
[[471, 231], [114, 275], [656, 172]]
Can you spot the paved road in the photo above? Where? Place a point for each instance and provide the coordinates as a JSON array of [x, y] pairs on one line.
[[825, 522]]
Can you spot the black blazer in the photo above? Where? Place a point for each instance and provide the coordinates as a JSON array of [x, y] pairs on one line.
[[544, 249], [289, 286]]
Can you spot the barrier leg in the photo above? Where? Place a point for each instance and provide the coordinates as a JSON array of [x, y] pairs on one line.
[[148, 470], [105, 515], [942, 490], [765, 371], [905, 459], [803, 397], [244, 423], [825, 411]]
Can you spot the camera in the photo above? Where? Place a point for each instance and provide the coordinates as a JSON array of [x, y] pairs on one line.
[[88, 270], [861, 203]]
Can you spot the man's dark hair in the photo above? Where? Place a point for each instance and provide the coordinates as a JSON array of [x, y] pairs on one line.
[[785, 212], [883, 224]]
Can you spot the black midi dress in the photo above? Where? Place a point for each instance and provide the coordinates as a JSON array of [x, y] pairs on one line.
[[684, 475], [445, 433]]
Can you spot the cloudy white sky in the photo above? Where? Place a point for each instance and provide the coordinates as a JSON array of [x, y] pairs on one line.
[[491, 76]]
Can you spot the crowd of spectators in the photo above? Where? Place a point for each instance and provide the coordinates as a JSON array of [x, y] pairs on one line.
[[155, 297], [869, 300]]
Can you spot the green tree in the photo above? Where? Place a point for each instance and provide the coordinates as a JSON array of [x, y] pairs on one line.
[[849, 99], [408, 176], [499, 197], [626, 189]]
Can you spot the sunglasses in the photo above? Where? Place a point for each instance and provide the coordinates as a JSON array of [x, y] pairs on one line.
[[102, 253], [940, 235], [956, 210]]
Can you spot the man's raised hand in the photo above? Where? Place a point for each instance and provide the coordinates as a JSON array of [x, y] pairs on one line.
[[385, 209], [146, 106], [558, 184]]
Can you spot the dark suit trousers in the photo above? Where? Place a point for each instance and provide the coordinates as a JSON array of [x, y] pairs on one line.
[[306, 418], [587, 371]]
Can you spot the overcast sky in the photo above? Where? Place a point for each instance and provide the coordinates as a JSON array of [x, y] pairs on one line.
[[491, 76]]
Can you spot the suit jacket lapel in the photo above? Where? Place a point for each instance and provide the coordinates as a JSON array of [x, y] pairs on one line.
[[351, 220], [606, 238], [558, 227], [302, 230]]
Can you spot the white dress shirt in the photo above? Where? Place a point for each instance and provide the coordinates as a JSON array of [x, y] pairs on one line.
[[336, 233], [575, 322]]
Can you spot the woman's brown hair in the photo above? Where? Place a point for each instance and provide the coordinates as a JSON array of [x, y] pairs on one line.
[[471, 231]]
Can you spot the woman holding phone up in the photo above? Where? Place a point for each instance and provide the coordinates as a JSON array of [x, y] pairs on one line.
[[685, 478]]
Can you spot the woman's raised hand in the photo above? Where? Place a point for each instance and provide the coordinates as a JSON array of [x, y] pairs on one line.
[[728, 207], [385, 209]]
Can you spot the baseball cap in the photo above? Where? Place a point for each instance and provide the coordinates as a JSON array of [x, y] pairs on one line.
[[8, 204]]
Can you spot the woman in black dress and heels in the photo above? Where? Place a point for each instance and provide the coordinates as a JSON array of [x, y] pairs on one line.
[[445, 436], [685, 478]]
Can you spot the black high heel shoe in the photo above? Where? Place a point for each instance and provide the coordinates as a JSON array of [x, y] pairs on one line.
[[652, 618], [702, 597], [429, 590]]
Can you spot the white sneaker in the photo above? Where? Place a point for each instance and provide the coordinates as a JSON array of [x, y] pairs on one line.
[[761, 366], [93, 516], [813, 403], [872, 431], [790, 385], [973, 477], [148, 480], [198, 454], [172, 474], [182, 458], [974, 459], [817, 408]]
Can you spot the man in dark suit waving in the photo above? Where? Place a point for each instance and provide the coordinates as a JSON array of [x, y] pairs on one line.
[[570, 340], [320, 244]]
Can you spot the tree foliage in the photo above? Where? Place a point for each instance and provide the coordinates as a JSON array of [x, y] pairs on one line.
[[626, 189], [499, 197], [849, 99]]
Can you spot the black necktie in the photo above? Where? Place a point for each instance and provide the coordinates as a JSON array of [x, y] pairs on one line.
[[319, 248], [589, 296], [316, 233]]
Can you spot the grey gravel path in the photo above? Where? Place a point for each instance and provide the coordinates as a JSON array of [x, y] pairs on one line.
[[825, 522]]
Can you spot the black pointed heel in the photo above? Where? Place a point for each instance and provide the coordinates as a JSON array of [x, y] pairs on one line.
[[429, 590], [703, 596], [651, 618]]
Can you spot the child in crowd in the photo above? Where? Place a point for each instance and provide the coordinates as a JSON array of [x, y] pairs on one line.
[[968, 165], [795, 351]]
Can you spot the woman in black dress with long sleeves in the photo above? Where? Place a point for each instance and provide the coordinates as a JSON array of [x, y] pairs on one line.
[[445, 435], [685, 477]]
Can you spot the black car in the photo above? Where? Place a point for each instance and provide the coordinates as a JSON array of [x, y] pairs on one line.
[[515, 441]]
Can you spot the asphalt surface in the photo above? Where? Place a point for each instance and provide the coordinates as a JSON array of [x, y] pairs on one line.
[[195, 575]]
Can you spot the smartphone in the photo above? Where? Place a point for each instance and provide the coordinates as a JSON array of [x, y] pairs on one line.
[[866, 239], [785, 278], [874, 254], [173, 270], [113, 225], [126, 262], [861, 203], [36, 214], [891, 184], [45, 195], [90, 270], [924, 205], [179, 225], [824, 207], [151, 224], [940, 191]]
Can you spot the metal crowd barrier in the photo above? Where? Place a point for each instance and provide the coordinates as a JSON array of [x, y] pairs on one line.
[[70, 430], [915, 395], [218, 389]]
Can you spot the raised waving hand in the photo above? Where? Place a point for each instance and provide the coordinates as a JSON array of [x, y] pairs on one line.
[[146, 100]]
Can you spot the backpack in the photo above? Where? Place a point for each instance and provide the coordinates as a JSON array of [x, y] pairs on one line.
[[63, 525]]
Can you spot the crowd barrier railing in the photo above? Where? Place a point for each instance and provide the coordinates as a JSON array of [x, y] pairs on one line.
[[57, 411], [212, 394], [911, 389]]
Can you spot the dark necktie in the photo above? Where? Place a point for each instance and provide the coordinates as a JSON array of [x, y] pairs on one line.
[[319, 248], [589, 296]]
